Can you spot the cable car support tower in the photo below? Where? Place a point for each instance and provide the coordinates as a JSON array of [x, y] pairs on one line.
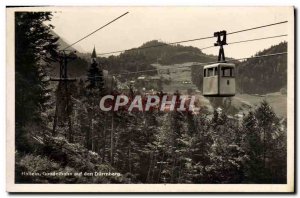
[[63, 94]]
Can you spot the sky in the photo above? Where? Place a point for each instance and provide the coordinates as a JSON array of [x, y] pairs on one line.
[[170, 24]]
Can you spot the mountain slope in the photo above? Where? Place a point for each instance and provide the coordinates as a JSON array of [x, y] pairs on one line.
[[263, 75], [142, 59], [76, 68]]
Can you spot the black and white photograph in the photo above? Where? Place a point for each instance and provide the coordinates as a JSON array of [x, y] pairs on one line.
[[162, 99]]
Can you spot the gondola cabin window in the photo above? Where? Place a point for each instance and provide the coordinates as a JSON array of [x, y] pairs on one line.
[[227, 71], [211, 72], [219, 80]]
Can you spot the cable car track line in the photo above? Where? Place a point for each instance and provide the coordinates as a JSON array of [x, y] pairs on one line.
[[192, 40], [160, 45], [258, 27], [96, 30], [201, 64], [245, 41], [258, 39]]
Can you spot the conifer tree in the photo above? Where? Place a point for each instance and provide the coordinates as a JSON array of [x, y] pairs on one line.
[[97, 134], [269, 126], [35, 49], [273, 139], [253, 148]]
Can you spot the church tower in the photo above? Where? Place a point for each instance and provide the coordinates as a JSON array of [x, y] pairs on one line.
[[95, 74], [94, 56]]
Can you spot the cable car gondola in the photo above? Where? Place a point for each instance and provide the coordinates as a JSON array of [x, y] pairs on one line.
[[219, 80]]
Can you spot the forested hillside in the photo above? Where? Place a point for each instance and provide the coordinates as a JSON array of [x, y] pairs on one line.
[[263, 75], [139, 146], [141, 59], [166, 54]]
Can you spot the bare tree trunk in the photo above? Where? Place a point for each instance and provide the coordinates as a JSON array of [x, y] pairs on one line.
[[129, 157], [104, 144], [264, 149], [54, 133], [92, 134], [149, 170], [112, 140], [70, 130]]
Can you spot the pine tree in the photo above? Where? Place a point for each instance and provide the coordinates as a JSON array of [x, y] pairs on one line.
[[96, 134], [269, 125], [273, 138], [253, 147], [226, 155], [35, 48], [201, 146]]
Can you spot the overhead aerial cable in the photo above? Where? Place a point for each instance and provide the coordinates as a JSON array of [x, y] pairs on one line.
[[248, 40], [191, 40], [96, 30]]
